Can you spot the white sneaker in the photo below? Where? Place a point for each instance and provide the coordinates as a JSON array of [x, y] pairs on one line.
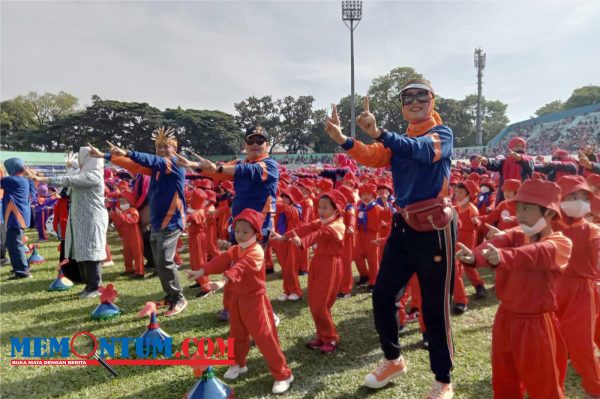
[[234, 372], [108, 263], [293, 297], [282, 386], [282, 298], [277, 320], [439, 390]]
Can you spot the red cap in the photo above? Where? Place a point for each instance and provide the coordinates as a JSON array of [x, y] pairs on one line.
[[306, 183], [384, 183], [368, 188], [211, 196], [197, 198], [472, 188], [538, 176], [593, 180], [123, 185], [284, 177], [253, 217], [540, 192], [294, 194], [348, 193], [349, 177], [129, 196], [487, 182], [473, 177], [227, 185], [325, 185], [570, 184], [511, 185], [455, 178], [338, 199], [562, 154], [515, 141]]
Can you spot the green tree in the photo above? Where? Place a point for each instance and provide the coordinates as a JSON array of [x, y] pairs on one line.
[[455, 116], [263, 111], [494, 117], [205, 132], [320, 141], [295, 115], [550, 108], [582, 96]]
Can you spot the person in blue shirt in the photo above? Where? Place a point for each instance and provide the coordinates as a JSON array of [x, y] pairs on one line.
[[16, 214], [167, 210], [420, 162]]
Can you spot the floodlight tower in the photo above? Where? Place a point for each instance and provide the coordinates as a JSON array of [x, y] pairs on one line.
[[351, 14], [479, 65]]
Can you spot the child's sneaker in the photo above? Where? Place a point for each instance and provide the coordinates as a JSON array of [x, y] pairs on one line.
[[177, 307], [276, 319], [385, 372], [439, 390], [163, 303], [459, 308], [315, 343], [328, 347], [341, 295], [480, 292], [362, 281], [293, 297], [234, 372], [223, 315], [282, 298], [282, 386]]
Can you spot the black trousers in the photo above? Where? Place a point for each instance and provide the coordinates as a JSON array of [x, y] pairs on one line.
[[431, 256], [91, 273]]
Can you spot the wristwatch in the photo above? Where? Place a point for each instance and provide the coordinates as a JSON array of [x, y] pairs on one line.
[[380, 138]]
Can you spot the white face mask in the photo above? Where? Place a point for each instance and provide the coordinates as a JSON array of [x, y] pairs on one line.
[[535, 229], [191, 210], [484, 189], [248, 243], [124, 207], [575, 209]]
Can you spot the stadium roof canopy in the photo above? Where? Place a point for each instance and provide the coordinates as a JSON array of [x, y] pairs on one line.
[[35, 158]]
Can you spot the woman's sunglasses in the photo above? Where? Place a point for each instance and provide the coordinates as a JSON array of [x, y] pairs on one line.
[[256, 140], [421, 97]]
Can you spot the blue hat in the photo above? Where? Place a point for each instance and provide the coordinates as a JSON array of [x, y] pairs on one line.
[[14, 165]]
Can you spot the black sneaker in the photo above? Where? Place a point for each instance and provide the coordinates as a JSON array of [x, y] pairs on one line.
[[302, 273], [362, 281], [19, 276], [138, 277], [270, 271], [126, 274], [425, 344], [195, 285], [480, 292], [370, 289], [460, 308], [202, 294]]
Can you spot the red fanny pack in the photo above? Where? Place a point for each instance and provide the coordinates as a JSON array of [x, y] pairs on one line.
[[429, 215]]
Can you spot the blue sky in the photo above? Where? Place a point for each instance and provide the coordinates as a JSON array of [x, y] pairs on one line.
[[209, 55]]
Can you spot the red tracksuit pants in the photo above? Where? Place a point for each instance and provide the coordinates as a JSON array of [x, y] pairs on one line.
[[577, 309], [323, 286], [198, 258], [133, 253], [529, 353], [252, 316], [367, 253], [460, 291], [288, 256], [347, 281]]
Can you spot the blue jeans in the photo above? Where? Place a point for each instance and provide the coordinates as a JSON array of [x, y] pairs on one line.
[[16, 251]]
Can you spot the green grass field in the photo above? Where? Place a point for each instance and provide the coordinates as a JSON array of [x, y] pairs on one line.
[[27, 309]]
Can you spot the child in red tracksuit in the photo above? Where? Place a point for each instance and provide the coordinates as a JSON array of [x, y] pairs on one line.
[[251, 314], [468, 221], [577, 307], [126, 220], [368, 226], [196, 220], [327, 236], [307, 204], [287, 218], [349, 214], [528, 349]]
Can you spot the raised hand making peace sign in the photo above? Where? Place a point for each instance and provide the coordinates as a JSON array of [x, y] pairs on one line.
[[333, 128], [366, 121]]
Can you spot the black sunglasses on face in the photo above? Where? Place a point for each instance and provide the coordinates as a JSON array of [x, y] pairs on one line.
[[256, 140], [421, 97]]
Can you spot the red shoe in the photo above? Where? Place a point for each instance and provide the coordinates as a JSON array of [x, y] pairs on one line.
[[329, 347], [315, 343]]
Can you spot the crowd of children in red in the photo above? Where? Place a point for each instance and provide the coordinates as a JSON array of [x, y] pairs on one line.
[[541, 238]]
